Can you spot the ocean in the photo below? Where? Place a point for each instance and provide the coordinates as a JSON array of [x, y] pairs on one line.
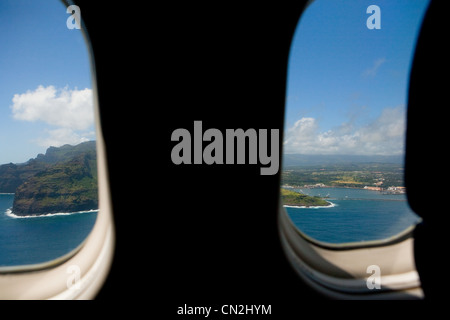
[[356, 215], [30, 240]]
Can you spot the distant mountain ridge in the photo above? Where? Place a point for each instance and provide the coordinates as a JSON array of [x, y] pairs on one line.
[[65, 152], [309, 160], [12, 175], [64, 179]]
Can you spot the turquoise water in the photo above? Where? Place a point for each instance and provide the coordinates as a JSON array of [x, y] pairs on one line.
[[356, 215], [32, 240]]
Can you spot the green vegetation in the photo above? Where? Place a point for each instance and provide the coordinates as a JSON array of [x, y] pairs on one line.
[[292, 198], [354, 175], [12, 175], [62, 180]]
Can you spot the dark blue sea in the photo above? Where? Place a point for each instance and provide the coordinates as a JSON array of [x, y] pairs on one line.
[[30, 240], [356, 215]]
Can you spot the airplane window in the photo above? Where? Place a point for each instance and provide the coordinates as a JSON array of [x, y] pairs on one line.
[[345, 120], [48, 158]]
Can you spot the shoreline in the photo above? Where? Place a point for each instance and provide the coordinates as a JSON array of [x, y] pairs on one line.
[[339, 187], [331, 205], [321, 187], [11, 214]]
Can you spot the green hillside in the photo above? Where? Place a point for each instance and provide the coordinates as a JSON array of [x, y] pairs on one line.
[[62, 180], [12, 175], [291, 198]]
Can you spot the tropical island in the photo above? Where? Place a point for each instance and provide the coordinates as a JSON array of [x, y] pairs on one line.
[[378, 173], [292, 198], [63, 179]]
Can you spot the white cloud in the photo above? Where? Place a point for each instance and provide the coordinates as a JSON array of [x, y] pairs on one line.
[[384, 136], [69, 113], [372, 71], [61, 136]]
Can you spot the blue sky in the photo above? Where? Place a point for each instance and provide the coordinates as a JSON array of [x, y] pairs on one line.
[[45, 68], [347, 84]]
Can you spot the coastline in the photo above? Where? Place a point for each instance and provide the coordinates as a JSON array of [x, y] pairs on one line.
[[331, 205], [11, 214], [325, 198], [322, 186], [318, 187]]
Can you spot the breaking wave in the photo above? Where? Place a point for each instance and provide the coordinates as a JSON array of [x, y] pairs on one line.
[[313, 207], [11, 214]]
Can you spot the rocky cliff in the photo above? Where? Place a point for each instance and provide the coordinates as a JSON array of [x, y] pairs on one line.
[[62, 180]]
